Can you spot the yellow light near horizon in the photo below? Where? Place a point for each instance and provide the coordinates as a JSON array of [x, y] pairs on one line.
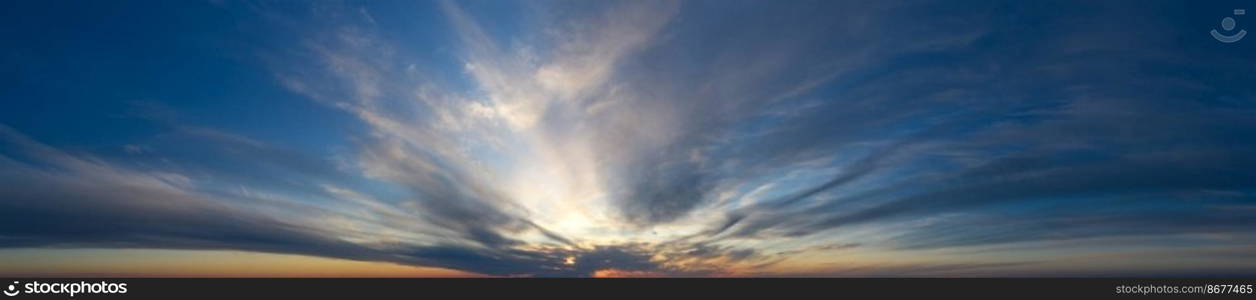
[[43, 262]]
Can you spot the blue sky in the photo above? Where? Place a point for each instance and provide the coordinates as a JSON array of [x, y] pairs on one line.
[[637, 138]]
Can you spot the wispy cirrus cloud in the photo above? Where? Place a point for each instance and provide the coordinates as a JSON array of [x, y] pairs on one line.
[[646, 138]]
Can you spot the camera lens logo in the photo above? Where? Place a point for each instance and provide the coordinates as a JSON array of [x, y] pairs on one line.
[[1228, 25], [12, 290]]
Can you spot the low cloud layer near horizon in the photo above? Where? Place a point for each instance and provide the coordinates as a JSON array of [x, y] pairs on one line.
[[639, 138]]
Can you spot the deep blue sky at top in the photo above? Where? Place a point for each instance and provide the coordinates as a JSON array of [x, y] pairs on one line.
[[80, 73]]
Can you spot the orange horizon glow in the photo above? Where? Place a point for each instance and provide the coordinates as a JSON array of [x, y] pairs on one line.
[[617, 273], [36, 262]]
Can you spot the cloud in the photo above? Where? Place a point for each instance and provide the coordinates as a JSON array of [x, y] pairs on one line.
[[55, 199], [647, 138]]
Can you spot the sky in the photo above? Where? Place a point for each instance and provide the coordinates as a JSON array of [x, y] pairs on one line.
[[636, 138]]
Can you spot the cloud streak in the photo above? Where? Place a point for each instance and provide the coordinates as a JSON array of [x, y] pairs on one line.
[[644, 138]]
